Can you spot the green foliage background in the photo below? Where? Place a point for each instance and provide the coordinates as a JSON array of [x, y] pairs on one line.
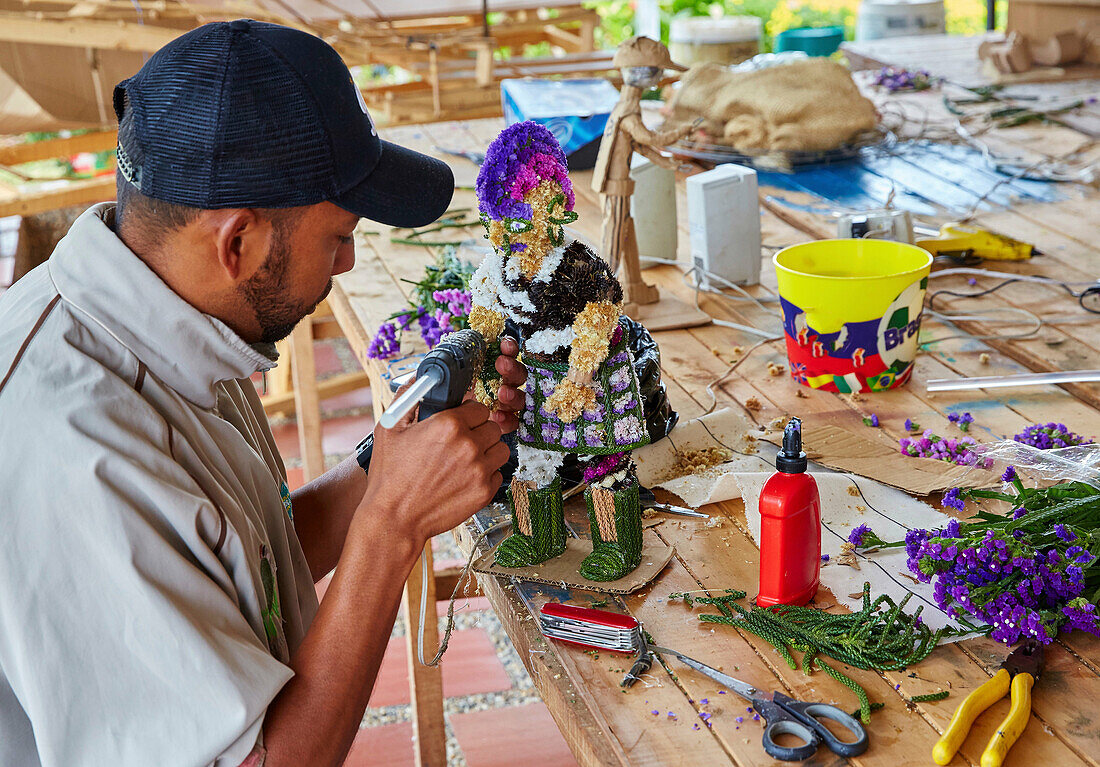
[[964, 17]]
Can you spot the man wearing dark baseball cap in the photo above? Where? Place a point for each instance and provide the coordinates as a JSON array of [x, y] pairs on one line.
[[156, 575]]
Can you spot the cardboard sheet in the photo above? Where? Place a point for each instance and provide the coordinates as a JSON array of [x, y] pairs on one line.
[[563, 569], [871, 453]]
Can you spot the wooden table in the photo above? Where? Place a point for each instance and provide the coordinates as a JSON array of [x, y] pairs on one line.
[[604, 725]]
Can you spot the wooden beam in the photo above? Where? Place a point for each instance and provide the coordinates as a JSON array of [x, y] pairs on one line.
[[307, 403], [282, 402], [33, 151], [86, 33], [446, 580], [425, 682], [73, 193]]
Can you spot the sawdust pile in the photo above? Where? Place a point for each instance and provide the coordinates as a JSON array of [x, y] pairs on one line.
[[697, 461], [809, 105]]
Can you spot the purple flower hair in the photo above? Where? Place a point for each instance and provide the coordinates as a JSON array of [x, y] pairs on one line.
[[520, 157]]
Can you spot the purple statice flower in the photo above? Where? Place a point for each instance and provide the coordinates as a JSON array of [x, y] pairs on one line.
[[1081, 614], [1049, 436], [1064, 533], [911, 425], [952, 500], [1009, 475], [971, 281], [385, 343], [872, 420], [456, 300], [824, 557], [517, 159], [858, 534], [897, 79], [953, 417], [430, 330]]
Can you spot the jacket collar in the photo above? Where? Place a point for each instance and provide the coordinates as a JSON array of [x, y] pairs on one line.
[[187, 350]]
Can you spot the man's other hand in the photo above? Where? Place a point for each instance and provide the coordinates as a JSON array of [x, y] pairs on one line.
[[510, 396], [434, 474]]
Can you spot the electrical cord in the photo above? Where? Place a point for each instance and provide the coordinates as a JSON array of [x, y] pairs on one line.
[[1090, 289]]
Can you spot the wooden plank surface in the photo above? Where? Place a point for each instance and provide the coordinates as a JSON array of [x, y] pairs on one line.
[[604, 725]]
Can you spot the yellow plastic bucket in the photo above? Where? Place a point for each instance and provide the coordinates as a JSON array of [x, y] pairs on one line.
[[851, 311]]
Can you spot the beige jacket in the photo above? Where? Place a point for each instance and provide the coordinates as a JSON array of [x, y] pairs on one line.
[[143, 505]]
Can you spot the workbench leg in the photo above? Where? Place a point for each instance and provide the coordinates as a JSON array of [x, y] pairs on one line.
[[425, 683], [307, 403]]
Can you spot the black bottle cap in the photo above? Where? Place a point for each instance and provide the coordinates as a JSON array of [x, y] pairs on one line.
[[791, 459]]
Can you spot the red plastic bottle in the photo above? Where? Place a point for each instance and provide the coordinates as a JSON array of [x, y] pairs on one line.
[[790, 528]]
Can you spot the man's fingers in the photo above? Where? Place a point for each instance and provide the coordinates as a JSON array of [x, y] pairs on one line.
[[511, 370], [471, 413], [498, 454], [509, 346], [511, 397], [506, 420], [485, 435]]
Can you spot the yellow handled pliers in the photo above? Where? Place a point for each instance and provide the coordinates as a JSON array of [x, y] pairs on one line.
[[1018, 673]]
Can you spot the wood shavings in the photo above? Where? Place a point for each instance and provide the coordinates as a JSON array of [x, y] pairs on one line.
[[853, 491], [801, 394], [777, 424], [738, 351], [776, 369], [714, 521], [750, 444], [848, 557], [860, 509], [697, 461], [983, 358], [753, 404]]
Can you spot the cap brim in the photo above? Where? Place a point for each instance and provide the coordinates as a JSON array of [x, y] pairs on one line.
[[406, 189]]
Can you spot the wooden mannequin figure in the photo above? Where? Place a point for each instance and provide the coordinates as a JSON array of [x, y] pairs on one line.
[[642, 62]]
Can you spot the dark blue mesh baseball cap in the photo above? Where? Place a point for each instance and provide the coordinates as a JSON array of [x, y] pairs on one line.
[[244, 114]]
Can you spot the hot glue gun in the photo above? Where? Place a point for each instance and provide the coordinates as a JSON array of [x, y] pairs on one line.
[[442, 380]]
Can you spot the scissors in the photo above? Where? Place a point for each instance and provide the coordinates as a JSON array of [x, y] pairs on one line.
[[787, 716]]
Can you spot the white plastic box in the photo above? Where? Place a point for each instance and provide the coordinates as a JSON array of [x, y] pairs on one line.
[[724, 221]]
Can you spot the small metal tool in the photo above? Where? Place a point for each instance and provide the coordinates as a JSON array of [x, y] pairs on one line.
[[649, 501], [590, 627]]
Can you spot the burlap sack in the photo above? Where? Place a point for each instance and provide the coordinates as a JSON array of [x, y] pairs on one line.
[[805, 105]]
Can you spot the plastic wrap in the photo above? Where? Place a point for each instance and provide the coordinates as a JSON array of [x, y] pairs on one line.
[[1079, 463]]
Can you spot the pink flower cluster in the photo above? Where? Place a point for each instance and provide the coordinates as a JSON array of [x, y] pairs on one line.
[[541, 167]]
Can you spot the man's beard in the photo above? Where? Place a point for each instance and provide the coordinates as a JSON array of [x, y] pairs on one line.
[[266, 292]]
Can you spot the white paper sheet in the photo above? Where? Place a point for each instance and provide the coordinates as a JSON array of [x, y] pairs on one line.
[[888, 511]]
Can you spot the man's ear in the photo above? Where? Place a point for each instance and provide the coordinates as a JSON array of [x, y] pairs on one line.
[[241, 240]]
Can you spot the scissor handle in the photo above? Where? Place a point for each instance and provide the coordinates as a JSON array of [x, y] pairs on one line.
[[809, 714], [790, 726]]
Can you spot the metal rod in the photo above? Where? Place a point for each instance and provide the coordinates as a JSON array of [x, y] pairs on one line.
[[1024, 379]]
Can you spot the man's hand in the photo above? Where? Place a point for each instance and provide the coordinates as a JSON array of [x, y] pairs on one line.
[[431, 475], [510, 397]]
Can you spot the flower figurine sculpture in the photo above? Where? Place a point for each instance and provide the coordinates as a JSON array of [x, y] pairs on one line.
[[582, 391]]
